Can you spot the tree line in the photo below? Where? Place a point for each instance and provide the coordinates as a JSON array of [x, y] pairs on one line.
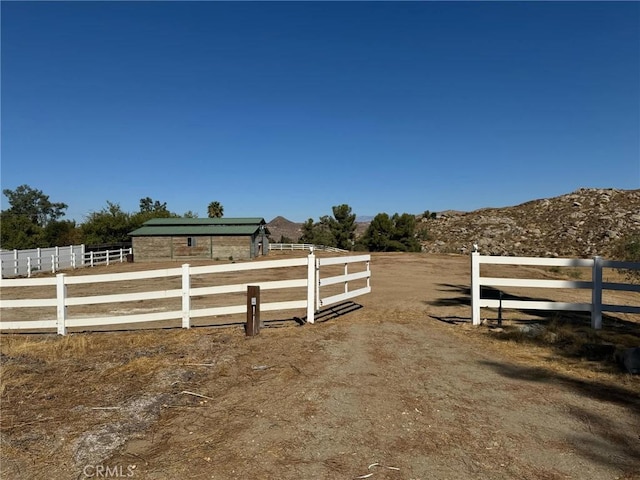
[[33, 220]]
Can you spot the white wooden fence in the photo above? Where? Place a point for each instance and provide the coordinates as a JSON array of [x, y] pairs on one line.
[[596, 285], [311, 283], [305, 246], [20, 263]]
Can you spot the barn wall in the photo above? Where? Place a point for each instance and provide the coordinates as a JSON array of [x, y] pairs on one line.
[[148, 249], [151, 249], [181, 250], [238, 247]]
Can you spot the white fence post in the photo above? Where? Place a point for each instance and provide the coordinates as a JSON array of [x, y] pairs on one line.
[[39, 259], [596, 293], [15, 262], [53, 264], [311, 287], [29, 267], [91, 258], [61, 296], [121, 255], [186, 296], [475, 288], [346, 283], [57, 258]]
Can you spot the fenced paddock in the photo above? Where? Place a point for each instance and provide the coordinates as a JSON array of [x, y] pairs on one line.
[[24, 263], [184, 296], [593, 299]]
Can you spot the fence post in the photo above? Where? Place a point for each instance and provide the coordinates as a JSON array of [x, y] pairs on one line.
[[108, 256], [121, 255], [91, 258], [61, 296], [346, 283], [39, 259], [15, 262], [53, 264], [57, 258], [252, 327], [475, 288], [596, 293], [73, 260], [28, 267], [186, 296], [82, 254], [311, 286]]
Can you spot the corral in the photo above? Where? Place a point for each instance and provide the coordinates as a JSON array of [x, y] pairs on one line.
[[402, 388]]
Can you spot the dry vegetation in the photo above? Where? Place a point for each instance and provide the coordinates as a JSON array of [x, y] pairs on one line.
[[403, 382]]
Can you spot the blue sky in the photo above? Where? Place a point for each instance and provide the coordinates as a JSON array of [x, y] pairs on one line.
[[290, 108]]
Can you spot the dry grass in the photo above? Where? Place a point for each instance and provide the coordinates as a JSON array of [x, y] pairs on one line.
[[318, 399]]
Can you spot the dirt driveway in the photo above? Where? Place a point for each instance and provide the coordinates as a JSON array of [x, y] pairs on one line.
[[402, 388]]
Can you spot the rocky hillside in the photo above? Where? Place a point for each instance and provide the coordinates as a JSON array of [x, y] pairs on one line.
[[584, 223]]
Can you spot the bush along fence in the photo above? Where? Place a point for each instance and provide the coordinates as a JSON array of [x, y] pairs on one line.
[[310, 283], [23, 263], [596, 285]]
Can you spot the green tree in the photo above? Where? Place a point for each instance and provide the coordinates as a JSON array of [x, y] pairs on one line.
[[190, 214], [379, 233], [148, 205], [404, 232], [149, 209], [33, 204], [109, 225], [343, 226], [392, 234], [19, 232], [215, 210], [318, 233], [63, 232]]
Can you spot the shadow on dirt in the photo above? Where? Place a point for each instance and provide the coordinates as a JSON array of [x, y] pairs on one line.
[[332, 312], [568, 334], [618, 449], [579, 318]]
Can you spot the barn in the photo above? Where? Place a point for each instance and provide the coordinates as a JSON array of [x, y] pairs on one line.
[[183, 239]]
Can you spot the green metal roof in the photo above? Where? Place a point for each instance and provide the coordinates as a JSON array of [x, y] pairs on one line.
[[194, 230], [205, 221]]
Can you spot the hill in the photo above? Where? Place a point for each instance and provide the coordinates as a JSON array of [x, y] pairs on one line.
[[583, 223]]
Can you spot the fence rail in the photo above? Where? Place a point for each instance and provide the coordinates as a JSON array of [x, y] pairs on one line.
[[305, 246], [23, 263], [310, 282], [596, 285]]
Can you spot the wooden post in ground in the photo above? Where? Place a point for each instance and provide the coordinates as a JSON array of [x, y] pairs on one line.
[[252, 327]]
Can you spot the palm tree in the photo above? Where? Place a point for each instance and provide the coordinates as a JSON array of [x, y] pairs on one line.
[[215, 210]]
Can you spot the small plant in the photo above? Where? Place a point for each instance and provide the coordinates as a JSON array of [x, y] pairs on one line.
[[231, 258]]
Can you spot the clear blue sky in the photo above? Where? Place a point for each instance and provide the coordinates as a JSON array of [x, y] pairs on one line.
[[290, 108]]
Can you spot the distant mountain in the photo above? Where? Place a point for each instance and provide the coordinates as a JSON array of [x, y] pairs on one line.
[[280, 227]]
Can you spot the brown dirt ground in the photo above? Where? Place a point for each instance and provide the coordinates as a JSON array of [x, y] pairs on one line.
[[400, 386]]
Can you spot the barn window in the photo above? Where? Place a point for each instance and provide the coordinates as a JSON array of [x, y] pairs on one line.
[[191, 241]]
